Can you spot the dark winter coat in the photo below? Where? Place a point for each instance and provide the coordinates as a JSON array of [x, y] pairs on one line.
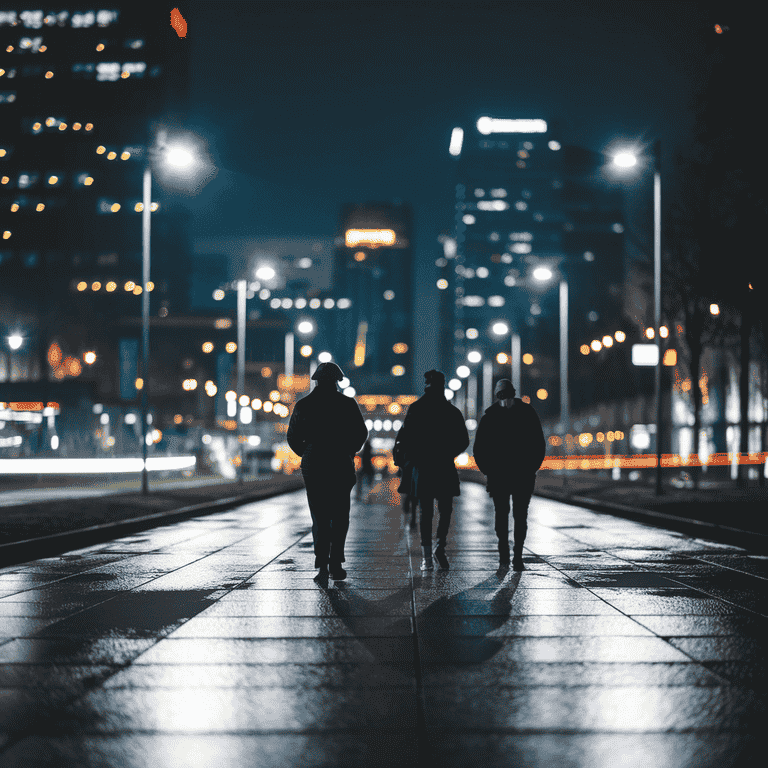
[[509, 446], [432, 436], [327, 430]]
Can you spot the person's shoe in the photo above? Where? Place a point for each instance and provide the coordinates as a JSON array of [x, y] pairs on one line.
[[323, 570], [337, 573], [426, 562], [442, 560], [517, 563], [504, 557]]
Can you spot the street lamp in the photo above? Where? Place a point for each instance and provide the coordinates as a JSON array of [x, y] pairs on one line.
[[627, 160], [15, 341], [180, 158]]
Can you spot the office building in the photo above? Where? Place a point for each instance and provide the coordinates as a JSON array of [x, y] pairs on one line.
[[530, 216]]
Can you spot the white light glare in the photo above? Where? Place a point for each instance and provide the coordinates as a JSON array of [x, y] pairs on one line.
[[625, 159], [474, 356], [542, 273], [457, 137], [265, 273], [92, 466], [463, 371], [500, 328], [324, 357], [488, 125], [305, 326], [15, 341], [180, 158]]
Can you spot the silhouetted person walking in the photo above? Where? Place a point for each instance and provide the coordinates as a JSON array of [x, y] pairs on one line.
[[367, 472], [327, 430], [404, 473], [432, 436], [509, 449]]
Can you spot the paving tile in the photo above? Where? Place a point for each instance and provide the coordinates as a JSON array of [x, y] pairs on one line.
[[521, 674], [372, 749], [113, 650], [235, 710], [530, 626], [253, 627], [746, 625], [745, 649], [600, 750], [362, 675], [625, 710], [391, 650]]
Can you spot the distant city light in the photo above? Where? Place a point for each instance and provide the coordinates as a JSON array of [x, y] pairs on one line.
[[90, 358], [398, 370], [541, 394], [649, 333], [305, 351], [472, 333], [207, 347], [468, 218], [324, 357], [474, 356], [596, 345], [265, 273], [502, 358], [389, 295], [210, 388], [454, 384], [463, 371], [528, 358], [488, 125], [607, 341], [372, 237], [244, 400], [457, 138], [584, 349], [500, 328], [15, 341], [442, 283], [663, 331], [714, 309], [231, 347], [554, 145], [179, 157], [305, 326], [619, 335], [542, 273]]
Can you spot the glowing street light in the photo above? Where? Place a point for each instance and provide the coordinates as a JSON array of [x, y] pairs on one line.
[[625, 159], [15, 340], [542, 274], [265, 273], [500, 328]]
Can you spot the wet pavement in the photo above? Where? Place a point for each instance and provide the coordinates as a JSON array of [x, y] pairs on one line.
[[210, 643]]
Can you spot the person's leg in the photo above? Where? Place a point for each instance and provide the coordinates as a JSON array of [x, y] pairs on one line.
[[501, 525], [321, 527], [444, 507], [339, 526], [427, 510], [521, 498]]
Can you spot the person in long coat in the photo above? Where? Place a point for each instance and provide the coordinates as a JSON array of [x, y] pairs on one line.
[[432, 436], [327, 429], [509, 449]]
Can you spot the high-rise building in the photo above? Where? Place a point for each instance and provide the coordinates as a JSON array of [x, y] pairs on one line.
[[82, 94], [531, 217], [373, 269]]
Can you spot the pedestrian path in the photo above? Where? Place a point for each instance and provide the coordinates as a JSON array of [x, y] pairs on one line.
[[210, 643]]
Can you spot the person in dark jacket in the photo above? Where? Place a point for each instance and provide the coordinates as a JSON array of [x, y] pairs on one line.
[[432, 436], [327, 430], [509, 449]]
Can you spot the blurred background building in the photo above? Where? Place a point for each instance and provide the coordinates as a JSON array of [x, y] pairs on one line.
[[532, 216]]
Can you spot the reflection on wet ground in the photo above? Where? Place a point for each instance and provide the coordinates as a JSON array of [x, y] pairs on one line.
[[211, 643]]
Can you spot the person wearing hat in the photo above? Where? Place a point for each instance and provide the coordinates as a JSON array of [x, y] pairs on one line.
[[327, 430], [432, 436], [509, 449]]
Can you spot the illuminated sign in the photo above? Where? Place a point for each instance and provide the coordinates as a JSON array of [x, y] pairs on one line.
[[371, 237], [488, 125], [645, 354]]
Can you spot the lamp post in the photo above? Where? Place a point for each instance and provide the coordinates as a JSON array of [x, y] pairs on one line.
[[180, 158], [627, 160]]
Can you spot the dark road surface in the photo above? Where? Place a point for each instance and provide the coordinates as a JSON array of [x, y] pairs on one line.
[[209, 643]]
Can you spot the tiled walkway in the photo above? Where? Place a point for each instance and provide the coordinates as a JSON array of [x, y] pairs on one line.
[[208, 643]]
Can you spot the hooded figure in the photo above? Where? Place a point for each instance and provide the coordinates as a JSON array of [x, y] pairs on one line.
[[509, 449], [327, 430], [432, 436]]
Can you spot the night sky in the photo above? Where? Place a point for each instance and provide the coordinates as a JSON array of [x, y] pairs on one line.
[[309, 105]]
